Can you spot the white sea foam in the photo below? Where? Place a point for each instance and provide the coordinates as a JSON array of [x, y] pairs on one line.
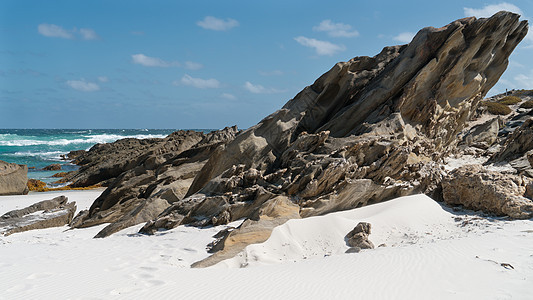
[[88, 139], [50, 155]]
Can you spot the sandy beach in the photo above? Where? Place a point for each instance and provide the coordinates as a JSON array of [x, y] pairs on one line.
[[429, 251]]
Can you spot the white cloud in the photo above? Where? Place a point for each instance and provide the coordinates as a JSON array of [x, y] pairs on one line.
[[199, 82], [193, 65], [321, 47], [524, 81], [336, 29], [490, 10], [103, 79], [259, 89], [404, 37], [228, 96], [88, 34], [217, 24], [83, 85], [148, 61], [51, 30]]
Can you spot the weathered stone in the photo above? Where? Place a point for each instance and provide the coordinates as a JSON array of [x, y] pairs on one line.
[[56, 212], [476, 188], [160, 178], [255, 230], [368, 130], [13, 179], [358, 237]]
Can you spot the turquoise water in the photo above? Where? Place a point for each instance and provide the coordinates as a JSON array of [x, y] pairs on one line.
[[41, 147]]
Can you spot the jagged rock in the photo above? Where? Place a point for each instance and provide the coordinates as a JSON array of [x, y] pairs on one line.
[[161, 177], [483, 135], [370, 129], [476, 188], [72, 155], [56, 212], [358, 237], [255, 230], [13, 179], [52, 167]]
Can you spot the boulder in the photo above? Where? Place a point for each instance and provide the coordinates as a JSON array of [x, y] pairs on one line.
[[52, 167], [48, 213], [475, 188], [358, 237], [13, 179]]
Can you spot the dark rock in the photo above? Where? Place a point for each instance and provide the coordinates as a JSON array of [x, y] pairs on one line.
[[13, 179], [157, 179], [52, 167]]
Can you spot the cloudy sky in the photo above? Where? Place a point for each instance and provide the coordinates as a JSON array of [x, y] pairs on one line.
[[207, 64]]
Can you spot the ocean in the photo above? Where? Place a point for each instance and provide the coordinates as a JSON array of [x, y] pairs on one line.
[[38, 148]]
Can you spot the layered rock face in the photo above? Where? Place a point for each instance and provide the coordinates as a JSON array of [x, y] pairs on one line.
[[144, 181], [368, 130], [13, 179]]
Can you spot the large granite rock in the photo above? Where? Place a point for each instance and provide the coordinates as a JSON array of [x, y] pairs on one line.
[[476, 188], [48, 213], [13, 179], [368, 130]]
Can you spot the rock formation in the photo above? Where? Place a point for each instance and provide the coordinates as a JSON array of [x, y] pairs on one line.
[[13, 179], [53, 213], [370, 129], [476, 188], [143, 184]]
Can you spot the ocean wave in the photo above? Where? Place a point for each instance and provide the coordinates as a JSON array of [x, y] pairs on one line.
[[88, 139], [49, 155]]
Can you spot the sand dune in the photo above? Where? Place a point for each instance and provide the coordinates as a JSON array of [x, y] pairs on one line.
[[431, 252]]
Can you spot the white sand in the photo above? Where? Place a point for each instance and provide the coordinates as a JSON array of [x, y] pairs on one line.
[[429, 255]]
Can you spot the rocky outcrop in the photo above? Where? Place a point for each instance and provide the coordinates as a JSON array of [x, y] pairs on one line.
[[49, 213], [370, 129], [476, 188], [13, 179], [358, 237], [152, 181]]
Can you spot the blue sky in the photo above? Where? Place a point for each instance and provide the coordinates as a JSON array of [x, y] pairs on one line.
[[207, 64]]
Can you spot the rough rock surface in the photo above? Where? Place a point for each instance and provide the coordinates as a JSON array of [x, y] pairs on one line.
[[358, 237], [256, 229], [13, 179], [52, 167], [370, 129], [56, 212], [150, 181], [476, 188]]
